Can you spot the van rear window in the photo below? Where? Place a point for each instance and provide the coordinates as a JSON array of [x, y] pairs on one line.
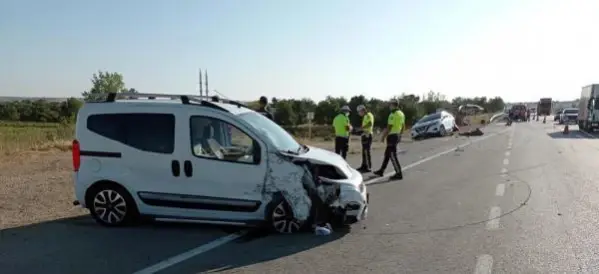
[[151, 132]]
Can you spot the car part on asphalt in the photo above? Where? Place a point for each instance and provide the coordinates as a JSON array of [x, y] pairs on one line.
[[475, 132]]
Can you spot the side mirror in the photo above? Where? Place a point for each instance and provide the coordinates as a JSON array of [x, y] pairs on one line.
[[257, 152]]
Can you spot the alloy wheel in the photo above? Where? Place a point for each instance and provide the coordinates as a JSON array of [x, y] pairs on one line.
[[283, 220], [110, 206]]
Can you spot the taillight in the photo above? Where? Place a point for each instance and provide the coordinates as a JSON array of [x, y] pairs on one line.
[[76, 155]]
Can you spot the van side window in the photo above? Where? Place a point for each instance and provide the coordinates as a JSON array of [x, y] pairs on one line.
[[151, 132], [217, 139]]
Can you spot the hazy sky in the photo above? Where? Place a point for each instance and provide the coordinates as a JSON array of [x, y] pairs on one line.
[[519, 49]]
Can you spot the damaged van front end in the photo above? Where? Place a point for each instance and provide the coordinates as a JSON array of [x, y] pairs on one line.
[[305, 185], [314, 182]]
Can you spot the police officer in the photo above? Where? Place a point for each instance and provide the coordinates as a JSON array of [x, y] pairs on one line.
[[367, 127], [263, 107], [342, 128], [392, 134]]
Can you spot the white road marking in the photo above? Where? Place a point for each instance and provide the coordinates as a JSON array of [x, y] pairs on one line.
[[506, 161], [507, 154], [503, 171], [231, 237], [494, 214], [189, 254], [419, 162], [484, 264], [500, 190]]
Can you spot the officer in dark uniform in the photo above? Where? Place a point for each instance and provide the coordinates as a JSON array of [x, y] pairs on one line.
[[392, 134], [367, 131], [263, 109]]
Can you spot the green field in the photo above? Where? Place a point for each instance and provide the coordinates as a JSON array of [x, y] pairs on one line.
[[19, 136]]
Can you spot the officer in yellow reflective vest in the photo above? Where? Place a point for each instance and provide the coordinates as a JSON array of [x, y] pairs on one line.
[[367, 128], [392, 134], [342, 128]]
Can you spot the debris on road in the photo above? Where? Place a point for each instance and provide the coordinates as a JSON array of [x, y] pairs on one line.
[[323, 230], [475, 132]]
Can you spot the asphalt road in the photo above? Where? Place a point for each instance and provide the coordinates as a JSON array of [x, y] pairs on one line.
[[520, 199]]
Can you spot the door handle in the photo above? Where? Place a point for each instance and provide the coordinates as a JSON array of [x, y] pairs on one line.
[[175, 168], [187, 168]]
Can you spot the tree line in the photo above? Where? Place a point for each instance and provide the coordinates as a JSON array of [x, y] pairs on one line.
[[287, 112]]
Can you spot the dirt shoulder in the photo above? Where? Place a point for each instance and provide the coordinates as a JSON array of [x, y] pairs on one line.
[[36, 187]]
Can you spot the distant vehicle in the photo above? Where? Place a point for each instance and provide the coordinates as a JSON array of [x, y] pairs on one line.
[[544, 107], [518, 112], [557, 114], [439, 124], [588, 108], [568, 116], [204, 160]]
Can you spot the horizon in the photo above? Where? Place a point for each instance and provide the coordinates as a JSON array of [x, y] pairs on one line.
[[520, 51], [4, 99]]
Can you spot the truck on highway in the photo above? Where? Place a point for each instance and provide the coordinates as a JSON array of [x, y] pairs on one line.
[[544, 107], [518, 112], [588, 108]]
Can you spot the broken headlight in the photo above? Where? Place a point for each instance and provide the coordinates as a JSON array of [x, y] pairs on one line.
[[328, 171]]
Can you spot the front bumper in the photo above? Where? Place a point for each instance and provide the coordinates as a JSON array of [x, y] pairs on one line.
[[425, 131], [352, 206], [569, 120], [356, 214]]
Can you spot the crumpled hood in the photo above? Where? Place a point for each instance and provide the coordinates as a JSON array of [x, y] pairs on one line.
[[417, 125], [324, 157]]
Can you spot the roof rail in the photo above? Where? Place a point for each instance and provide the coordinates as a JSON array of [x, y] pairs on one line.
[[185, 98]]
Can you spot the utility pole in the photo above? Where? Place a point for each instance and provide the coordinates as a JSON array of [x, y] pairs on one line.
[[206, 76], [200, 76]]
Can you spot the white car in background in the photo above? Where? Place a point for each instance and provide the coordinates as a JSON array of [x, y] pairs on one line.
[[437, 124], [569, 116]]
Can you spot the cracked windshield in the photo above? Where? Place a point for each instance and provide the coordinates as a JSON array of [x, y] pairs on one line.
[[263, 136]]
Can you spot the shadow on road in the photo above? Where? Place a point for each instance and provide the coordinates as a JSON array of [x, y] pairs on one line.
[[79, 245], [573, 134], [263, 250]]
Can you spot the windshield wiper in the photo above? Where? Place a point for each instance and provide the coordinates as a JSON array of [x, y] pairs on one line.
[[302, 147], [291, 152]]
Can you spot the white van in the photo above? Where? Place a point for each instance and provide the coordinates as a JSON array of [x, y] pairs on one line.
[[203, 159]]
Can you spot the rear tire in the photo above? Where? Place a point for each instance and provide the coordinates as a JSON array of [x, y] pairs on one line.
[[111, 205]]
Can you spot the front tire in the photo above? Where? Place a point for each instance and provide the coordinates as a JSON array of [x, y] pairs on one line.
[[280, 218], [442, 131], [112, 206]]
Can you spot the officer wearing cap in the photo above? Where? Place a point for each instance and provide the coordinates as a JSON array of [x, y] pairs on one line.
[[263, 107], [367, 128], [392, 134], [342, 128]]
